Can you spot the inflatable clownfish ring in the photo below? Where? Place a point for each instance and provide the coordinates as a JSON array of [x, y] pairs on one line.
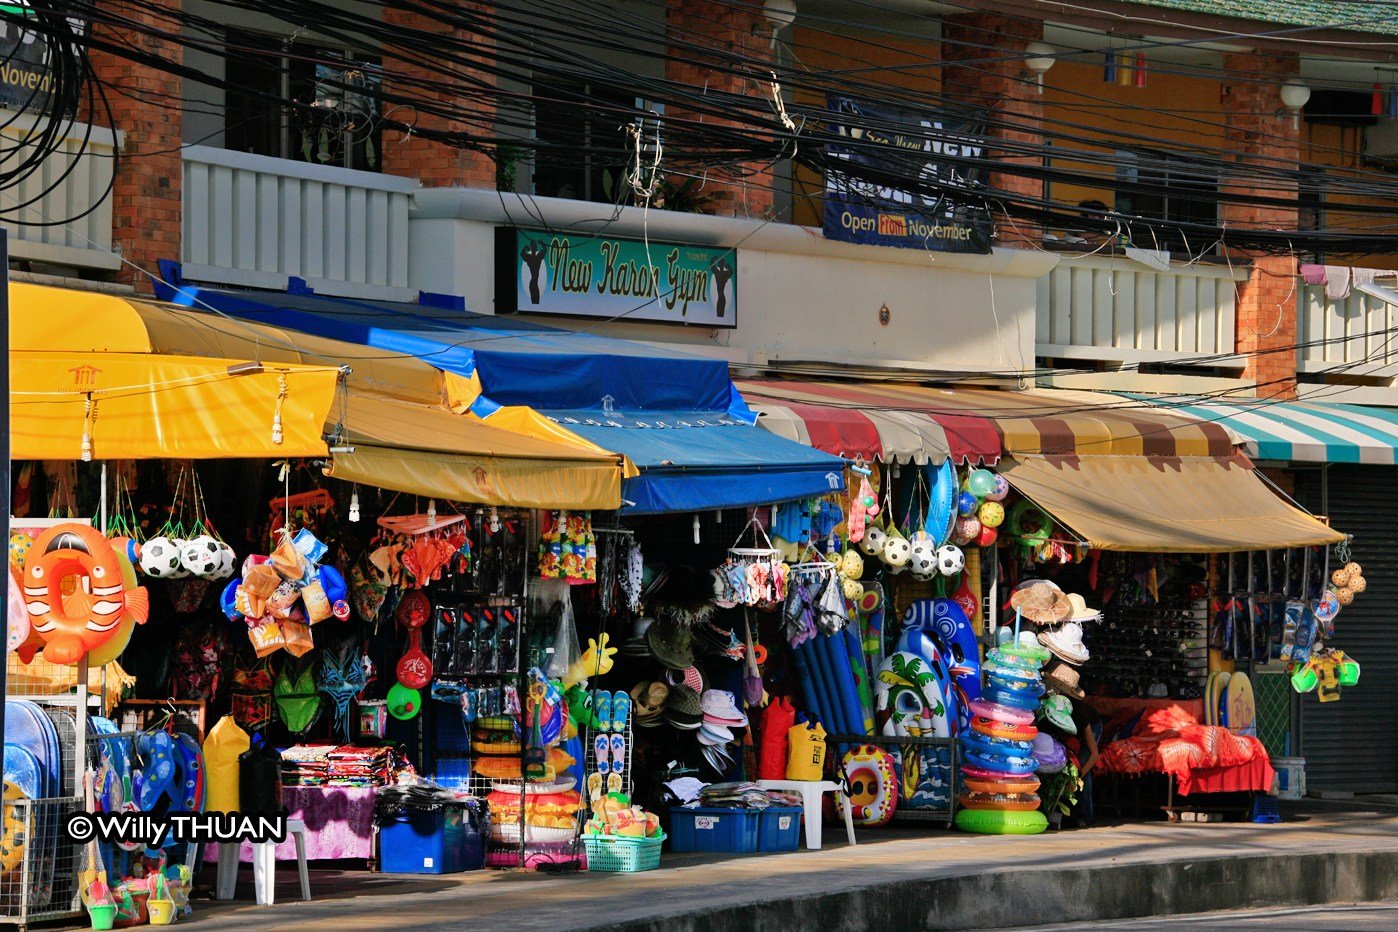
[[872, 784], [77, 594]]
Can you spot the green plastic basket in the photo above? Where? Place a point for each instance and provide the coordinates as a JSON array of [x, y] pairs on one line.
[[620, 855]]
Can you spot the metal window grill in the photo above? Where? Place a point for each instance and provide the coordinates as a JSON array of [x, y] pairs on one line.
[[40, 865], [1272, 691]]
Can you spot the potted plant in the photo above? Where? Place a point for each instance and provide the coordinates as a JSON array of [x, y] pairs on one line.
[[1058, 793]]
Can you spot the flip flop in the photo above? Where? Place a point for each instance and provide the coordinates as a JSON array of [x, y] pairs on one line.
[[614, 782], [621, 711], [601, 746], [594, 786], [602, 708], [618, 754]]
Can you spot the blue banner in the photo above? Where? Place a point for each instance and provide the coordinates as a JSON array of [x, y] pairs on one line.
[[865, 204]]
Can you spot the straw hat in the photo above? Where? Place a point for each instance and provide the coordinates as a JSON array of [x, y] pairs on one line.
[[1081, 610], [1041, 601], [1063, 679], [671, 645]]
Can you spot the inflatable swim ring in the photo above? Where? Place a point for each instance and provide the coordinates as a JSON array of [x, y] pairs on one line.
[[1024, 653], [1013, 698], [996, 746], [999, 822], [997, 729], [1002, 713], [1000, 784], [1001, 766], [873, 784], [1030, 687], [909, 698], [1001, 802], [76, 593], [12, 840]]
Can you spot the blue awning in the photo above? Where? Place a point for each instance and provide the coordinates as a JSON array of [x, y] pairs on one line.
[[1296, 431], [677, 416]]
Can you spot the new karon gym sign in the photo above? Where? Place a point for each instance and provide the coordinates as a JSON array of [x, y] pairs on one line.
[[577, 275]]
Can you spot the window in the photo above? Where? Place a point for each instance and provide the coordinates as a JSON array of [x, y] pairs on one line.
[[342, 129], [1178, 190], [583, 152]]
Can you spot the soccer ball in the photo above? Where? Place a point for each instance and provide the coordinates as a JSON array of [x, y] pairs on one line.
[[923, 563], [226, 560], [897, 551], [950, 560], [873, 540], [160, 557], [200, 556]]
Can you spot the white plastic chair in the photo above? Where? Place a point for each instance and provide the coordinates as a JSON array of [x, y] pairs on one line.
[[811, 792], [264, 867]]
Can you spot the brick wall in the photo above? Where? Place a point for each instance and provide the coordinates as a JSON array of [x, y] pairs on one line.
[[1258, 125], [728, 30], [146, 190], [983, 70], [437, 164], [1266, 326]]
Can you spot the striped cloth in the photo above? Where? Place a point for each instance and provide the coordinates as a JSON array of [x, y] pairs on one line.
[[904, 422], [1298, 431]]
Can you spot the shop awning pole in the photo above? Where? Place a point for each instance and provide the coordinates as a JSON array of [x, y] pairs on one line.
[[5, 449]]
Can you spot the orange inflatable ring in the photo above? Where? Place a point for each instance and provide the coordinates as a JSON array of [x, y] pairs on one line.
[[1009, 786], [76, 592], [1000, 802], [998, 729]]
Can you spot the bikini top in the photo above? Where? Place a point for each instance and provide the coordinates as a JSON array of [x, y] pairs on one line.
[[294, 690]]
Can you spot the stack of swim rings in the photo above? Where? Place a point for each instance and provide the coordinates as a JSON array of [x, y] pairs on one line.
[[1000, 789]]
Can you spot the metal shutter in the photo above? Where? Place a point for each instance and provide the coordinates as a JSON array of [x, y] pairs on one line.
[[1352, 744]]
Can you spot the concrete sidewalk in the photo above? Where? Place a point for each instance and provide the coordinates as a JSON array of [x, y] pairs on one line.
[[920, 879]]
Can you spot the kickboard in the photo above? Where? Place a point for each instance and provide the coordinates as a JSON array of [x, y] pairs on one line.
[[1240, 705]]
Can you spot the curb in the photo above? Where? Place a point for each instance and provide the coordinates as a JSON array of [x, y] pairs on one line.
[[1043, 896]]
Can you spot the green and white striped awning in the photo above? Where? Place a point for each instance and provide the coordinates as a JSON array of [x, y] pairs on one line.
[[1297, 431]]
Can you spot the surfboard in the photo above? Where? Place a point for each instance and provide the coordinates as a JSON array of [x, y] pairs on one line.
[[1241, 706]]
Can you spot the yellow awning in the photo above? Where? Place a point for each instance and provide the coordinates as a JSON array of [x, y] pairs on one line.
[[427, 450], [1187, 505], [150, 406]]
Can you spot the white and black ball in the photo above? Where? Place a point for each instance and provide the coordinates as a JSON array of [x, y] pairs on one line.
[[160, 558], [950, 560], [227, 562], [200, 557]]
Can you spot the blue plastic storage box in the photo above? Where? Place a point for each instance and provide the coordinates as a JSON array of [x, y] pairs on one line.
[[779, 828], [714, 829], [420, 841]]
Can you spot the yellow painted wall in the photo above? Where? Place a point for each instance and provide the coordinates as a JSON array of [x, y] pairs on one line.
[[871, 58]]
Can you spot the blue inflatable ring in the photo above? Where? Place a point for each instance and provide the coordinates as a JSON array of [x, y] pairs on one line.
[[1012, 698], [1015, 766], [996, 747]]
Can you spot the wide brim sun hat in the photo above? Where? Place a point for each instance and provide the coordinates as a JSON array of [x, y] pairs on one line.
[[1041, 602], [1062, 678], [672, 645], [1065, 643]]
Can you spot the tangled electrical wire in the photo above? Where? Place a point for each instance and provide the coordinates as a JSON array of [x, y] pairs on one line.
[[45, 121], [504, 79]]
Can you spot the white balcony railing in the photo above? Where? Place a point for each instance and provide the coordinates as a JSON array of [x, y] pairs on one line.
[[256, 221], [1117, 310], [1353, 335], [68, 183]]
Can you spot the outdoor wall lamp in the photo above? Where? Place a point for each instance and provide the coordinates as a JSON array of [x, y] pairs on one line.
[[1038, 58]]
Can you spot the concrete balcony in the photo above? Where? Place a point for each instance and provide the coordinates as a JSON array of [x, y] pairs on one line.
[[1347, 340], [255, 221], [1118, 311], [69, 182]]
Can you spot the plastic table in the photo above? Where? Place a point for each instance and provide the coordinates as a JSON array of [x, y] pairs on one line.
[[811, 793]]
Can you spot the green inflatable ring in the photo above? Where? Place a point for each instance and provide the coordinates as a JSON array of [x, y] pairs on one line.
[[1021, 511], [1001, 822]]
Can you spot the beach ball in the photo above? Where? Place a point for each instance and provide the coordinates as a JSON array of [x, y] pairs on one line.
[[966, 503], [1002, 489], [852, 565], [980, 483], [992, 514], [968, 528], [20, 545]]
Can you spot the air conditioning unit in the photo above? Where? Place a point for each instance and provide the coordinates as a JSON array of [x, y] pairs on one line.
[[1381, 141]]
